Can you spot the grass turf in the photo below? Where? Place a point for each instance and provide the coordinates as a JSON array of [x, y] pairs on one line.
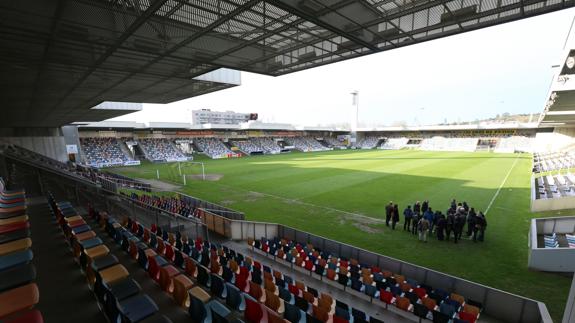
[[342, 194]]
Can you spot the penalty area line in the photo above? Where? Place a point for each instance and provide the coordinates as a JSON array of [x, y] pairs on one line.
[[500, 186]]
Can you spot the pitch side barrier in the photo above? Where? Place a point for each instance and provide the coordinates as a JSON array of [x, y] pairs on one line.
[[212, 207], [497, 304]]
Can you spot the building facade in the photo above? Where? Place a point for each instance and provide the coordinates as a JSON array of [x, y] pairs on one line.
[[204, 116]]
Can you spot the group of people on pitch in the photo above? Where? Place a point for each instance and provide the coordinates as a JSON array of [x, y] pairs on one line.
[[422, 220]]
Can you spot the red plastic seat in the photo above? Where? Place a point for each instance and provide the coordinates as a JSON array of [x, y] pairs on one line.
[[467, 317], [386, 297], [253, 312], [33, 316], [337, 319], [170, 252], [153, 268], [14, 227]]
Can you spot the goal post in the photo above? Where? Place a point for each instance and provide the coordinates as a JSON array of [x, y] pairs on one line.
[[182, 168]]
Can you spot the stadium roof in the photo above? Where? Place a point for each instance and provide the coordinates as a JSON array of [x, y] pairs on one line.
[[60, 58], [560, 105]]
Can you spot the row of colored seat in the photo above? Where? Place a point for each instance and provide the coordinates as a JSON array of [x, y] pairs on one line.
[[18, 290], [120, 296], [229, 276], [392, 289]]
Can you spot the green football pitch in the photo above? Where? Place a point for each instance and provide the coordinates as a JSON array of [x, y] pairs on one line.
[[342, 194]]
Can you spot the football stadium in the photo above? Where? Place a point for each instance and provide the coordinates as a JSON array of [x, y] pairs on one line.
[[232, 217]]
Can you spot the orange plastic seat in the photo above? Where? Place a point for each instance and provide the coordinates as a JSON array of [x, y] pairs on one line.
[[16, 219], [471, 309], [73, 218], [18, 299], [458, 298], [320, 314], [190, 267], [167, 273], [98, 251], [13, 246], [273, 302], [182, 284], [85, 235], [403, 303], [430, 303], [114, 273]]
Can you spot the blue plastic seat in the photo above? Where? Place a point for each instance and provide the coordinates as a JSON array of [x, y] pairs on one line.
[[219, 311], [91, 243], [17, 276], [15, 259], [81, 228], [137, 308], [234, 298]]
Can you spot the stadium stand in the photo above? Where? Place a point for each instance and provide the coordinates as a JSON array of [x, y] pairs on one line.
[[212, 147], [248, 147], [406, 294], [556, 240], [368, 142], [268, 145], [513, 144], [160, 149], [394, 143], [100, 152], [262, 145], [449, 144], [555, 186], [19, 292], [107, 180], [333, 142], [305, 144], [551, 161]]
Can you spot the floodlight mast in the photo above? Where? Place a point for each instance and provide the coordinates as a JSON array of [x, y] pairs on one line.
[[355, 116]]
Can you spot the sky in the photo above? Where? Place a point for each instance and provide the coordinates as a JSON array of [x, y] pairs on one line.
[[474, 75]]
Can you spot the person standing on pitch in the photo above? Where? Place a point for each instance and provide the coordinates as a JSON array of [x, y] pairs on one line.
[[441, 225], [458, 226], [388, 212], [395, 216], [423, 227], [449, 223], [471, 220], [408, 215], [481, 225]]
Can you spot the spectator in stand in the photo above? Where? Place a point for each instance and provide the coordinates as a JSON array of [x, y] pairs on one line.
[[395, 216], [408, 215], [388, 212]]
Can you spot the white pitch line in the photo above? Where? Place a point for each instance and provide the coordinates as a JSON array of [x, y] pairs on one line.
[[500, 186]]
